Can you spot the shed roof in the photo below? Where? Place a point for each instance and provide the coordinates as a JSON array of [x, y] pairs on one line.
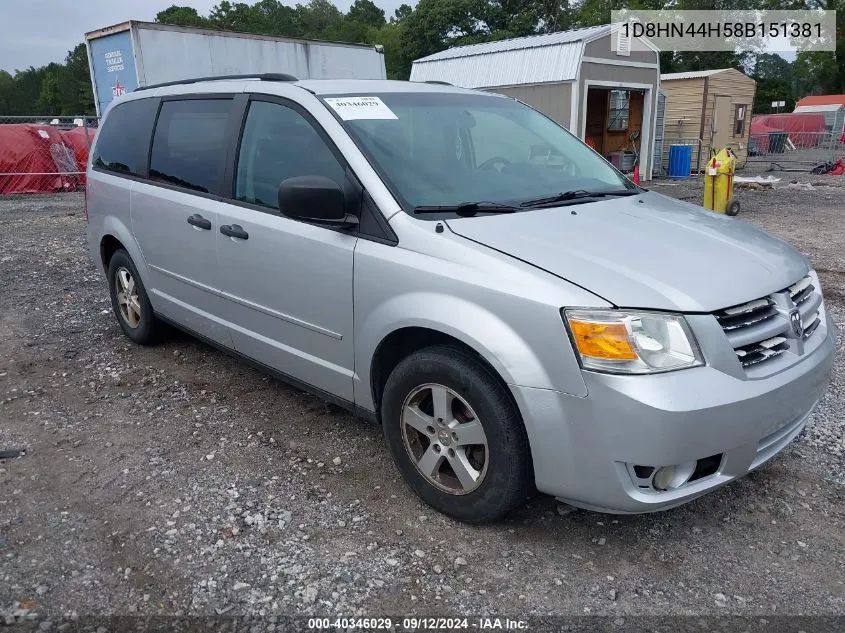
[[516, 43], [693, 74], [833, 107], [554, 57], [822, 100]]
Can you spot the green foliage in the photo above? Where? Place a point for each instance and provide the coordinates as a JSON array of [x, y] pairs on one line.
[[7, 90], [819, 72], [773, 75], [75, 83], [186, 16], [232, 17], [402, 13], [365, 12], [390, 37], [48, 99], [55, 89], [317, 17], [434, 25]]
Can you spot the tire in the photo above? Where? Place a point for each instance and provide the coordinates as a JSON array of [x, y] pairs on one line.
[[732, 208], [502, 466], [146, 328]]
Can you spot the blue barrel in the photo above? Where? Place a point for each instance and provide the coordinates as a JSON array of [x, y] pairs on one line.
[[680, 161]]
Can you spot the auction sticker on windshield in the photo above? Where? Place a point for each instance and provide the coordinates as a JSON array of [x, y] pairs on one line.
[[351, 108]]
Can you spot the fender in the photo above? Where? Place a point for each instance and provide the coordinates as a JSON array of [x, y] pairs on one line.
[[485, 332], [114, 226]]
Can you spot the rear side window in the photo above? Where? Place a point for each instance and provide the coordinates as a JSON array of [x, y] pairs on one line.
[[124, 141], [189, 145]]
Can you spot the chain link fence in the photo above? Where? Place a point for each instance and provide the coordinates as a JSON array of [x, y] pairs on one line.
[[44, 154], [699, 152], [794, 151], [775, 151]]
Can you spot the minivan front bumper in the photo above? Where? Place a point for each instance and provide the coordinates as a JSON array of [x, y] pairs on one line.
[[584, 448]]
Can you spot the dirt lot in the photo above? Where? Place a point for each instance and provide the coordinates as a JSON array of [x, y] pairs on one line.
[[174, 480]]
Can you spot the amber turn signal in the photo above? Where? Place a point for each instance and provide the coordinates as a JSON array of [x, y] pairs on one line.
[[602, 340]]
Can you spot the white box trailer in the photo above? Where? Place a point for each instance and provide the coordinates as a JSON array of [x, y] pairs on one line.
[[132, 54]]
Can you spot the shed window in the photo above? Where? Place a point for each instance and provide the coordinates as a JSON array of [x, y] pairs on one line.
[[620, 110], [739, 120]]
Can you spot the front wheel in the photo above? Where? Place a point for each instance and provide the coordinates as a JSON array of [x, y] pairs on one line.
[[456, 435]]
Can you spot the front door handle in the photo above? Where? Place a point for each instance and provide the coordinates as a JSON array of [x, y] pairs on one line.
[[234, 230], [200, 222]]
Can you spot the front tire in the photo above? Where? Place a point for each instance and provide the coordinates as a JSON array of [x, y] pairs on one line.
[[456, 435], [130, 302]]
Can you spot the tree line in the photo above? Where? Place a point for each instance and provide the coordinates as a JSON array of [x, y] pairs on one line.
[[54, 89], [434, 25]]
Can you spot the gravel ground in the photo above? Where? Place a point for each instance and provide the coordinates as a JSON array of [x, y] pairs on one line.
[[174, 480]]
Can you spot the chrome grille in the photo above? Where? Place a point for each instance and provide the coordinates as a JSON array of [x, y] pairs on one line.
[[764, 350], [801, 291], [747, 314], [760, 330], [811, 327]]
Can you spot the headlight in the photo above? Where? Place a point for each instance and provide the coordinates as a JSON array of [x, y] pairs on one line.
[[632, 342]]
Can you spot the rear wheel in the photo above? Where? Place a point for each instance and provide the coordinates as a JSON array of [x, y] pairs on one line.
[[456, 435], [130, 302]]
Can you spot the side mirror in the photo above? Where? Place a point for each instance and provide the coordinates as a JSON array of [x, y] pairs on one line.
[[314, 199]]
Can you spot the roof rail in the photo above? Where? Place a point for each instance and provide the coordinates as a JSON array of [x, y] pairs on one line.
[[435, 81], [261, 76]]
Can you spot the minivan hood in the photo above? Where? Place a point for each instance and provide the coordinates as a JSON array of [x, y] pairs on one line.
[[645, 251]]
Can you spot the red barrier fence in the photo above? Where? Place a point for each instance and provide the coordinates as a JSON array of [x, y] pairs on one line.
[[43, 156]]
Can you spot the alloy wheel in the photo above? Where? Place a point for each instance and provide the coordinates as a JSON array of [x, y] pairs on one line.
[[128, 299], [445, 439]]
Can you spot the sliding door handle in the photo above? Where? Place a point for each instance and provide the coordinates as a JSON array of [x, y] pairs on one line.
[[200, 222]]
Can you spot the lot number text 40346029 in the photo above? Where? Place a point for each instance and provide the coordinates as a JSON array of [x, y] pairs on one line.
[[410, 623]]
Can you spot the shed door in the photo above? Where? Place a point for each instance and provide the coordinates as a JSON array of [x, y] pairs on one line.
[[839, 122], [722, 121], [659, 133]]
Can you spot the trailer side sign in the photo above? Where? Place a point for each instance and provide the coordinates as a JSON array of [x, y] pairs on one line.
[[114, 67]]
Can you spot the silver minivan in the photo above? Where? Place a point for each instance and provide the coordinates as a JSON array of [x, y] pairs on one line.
[[516, 313]]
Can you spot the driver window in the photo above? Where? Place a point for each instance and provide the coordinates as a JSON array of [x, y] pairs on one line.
[[498, 142], [495, 136], [279, 143]]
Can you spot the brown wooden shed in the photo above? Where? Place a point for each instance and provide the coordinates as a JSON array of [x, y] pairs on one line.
[[710, 109]]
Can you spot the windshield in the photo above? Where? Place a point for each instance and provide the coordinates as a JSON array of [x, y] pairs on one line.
[[447, 149]]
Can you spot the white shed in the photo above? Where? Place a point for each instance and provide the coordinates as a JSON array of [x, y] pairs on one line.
[[599, 84], [834, 115]]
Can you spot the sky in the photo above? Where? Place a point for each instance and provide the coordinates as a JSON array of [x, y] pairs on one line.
[[37, 32]]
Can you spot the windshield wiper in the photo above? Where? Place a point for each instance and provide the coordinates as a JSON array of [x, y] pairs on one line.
[[468, 209], [578, 194]]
